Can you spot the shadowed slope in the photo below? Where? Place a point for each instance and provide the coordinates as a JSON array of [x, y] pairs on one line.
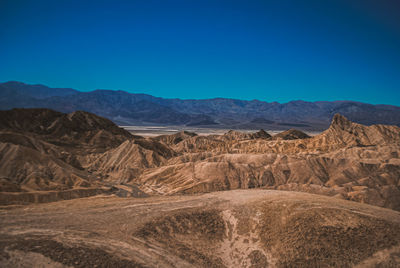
[[34, 170], [74, 128], [175, 138], [42, 150], [291, 134]]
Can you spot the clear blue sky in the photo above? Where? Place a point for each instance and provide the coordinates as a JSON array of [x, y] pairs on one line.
[[269, 50]]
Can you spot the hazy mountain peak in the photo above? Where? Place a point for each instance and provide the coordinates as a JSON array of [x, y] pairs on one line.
[[129, 109]]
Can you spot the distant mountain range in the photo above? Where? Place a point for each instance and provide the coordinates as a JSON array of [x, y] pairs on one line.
[[141, 109]]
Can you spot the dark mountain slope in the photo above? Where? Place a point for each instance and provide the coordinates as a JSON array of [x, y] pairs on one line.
[[291, 134], [46, 150], [35, 91], [128, 109], [73, 128], [117, 105]]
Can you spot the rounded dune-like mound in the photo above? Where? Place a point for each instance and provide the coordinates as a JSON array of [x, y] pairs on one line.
[[240, 228]]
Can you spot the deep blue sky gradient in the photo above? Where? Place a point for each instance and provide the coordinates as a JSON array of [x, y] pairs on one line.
[[269, 50]]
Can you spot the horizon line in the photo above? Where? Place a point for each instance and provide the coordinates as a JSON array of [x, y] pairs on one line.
[[199, 99]]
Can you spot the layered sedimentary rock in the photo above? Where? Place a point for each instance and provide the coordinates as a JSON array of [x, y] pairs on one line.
[[348, 160], [43, 150]]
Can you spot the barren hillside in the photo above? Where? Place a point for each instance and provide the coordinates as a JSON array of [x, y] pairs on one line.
[[348, 161], [240, 228], [43, 150], [185, 216]]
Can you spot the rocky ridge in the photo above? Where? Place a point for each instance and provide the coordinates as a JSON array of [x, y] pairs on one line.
[[43, 150]]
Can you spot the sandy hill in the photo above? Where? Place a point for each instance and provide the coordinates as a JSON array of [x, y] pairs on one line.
[[239, 228]]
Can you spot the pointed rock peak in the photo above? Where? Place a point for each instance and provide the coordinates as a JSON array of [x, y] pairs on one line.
[[297, 132], [232, 133], [263, 133], [188, 133], [339, 121], [291, 134]]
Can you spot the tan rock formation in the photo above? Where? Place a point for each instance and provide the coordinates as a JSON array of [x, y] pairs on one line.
[[348, 160]]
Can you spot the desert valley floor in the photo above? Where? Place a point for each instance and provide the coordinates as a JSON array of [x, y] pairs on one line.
[[78, 191]]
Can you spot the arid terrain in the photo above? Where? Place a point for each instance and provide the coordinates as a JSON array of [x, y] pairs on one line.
[[77, 190], [239, 228]]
